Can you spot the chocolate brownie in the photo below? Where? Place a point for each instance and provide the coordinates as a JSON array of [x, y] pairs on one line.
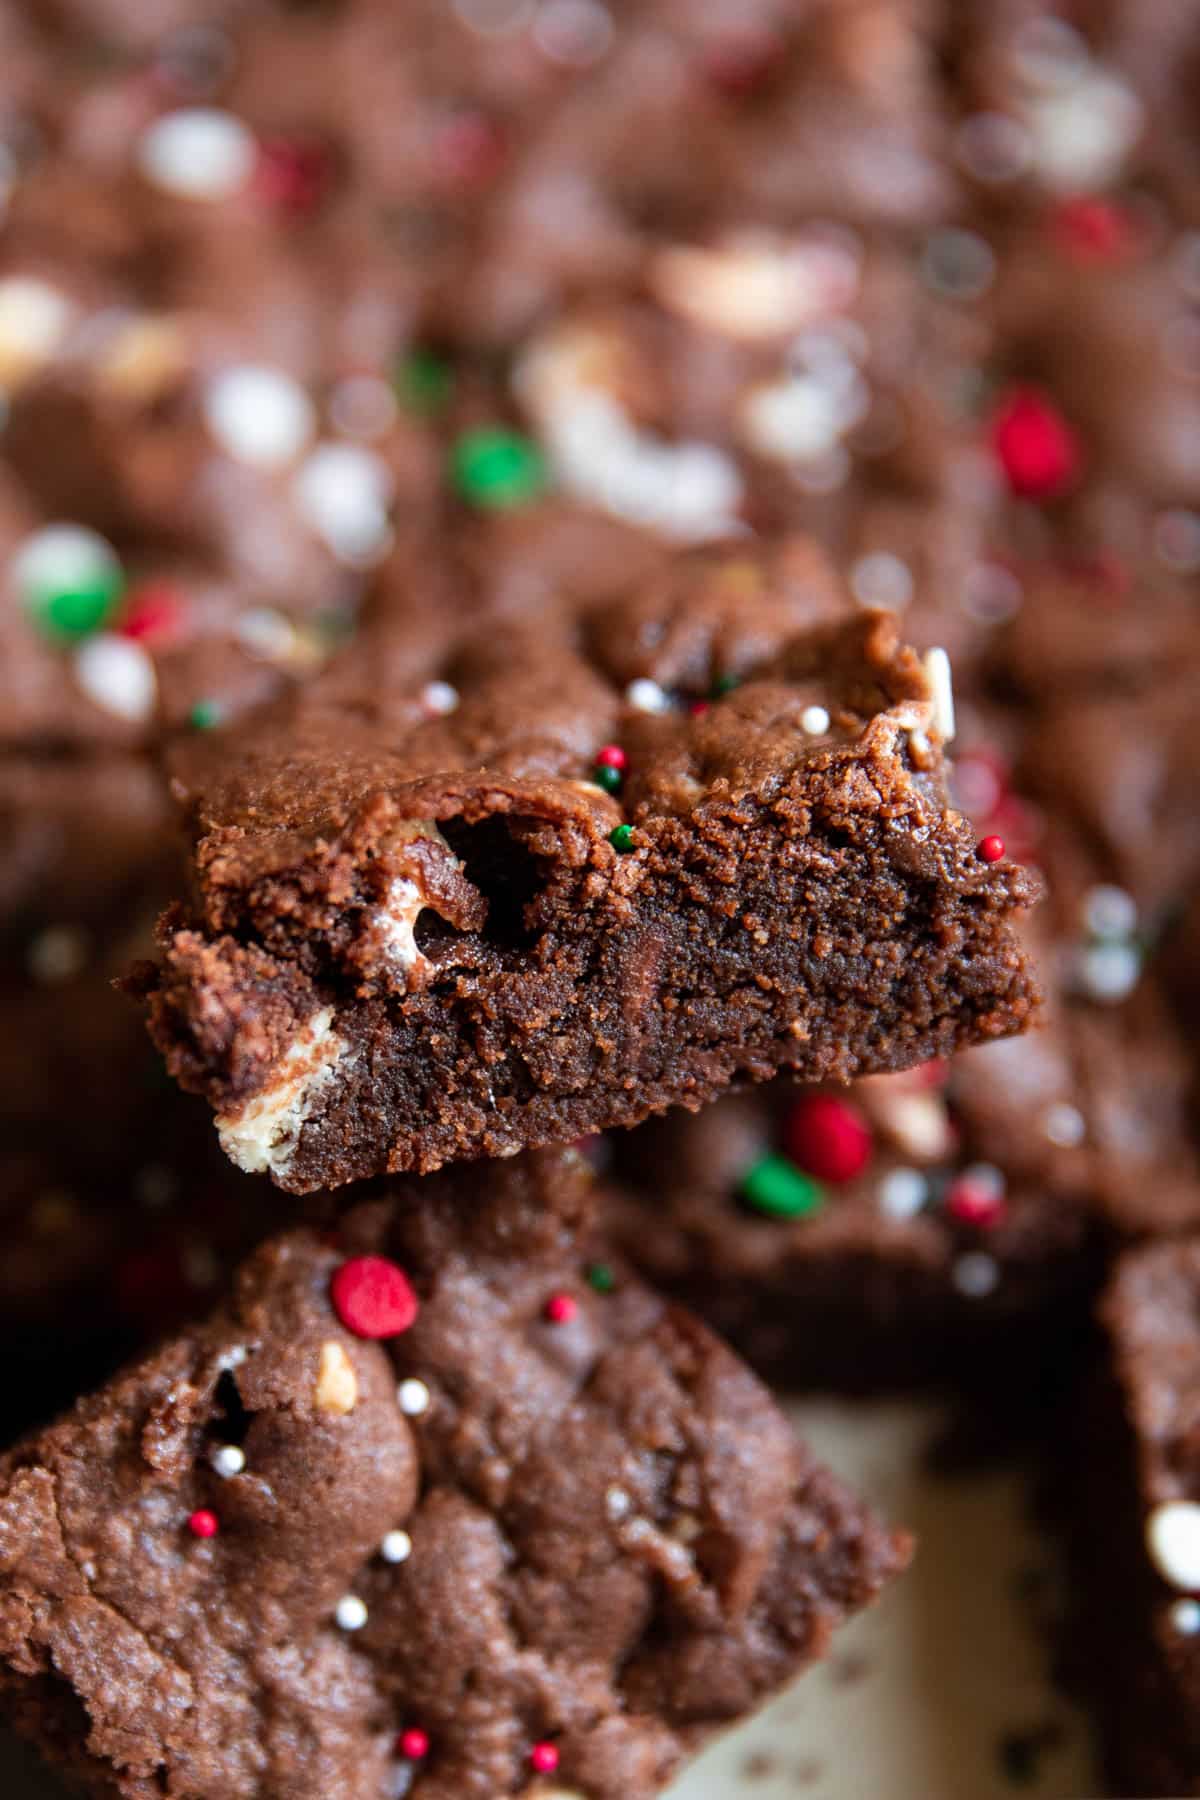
[[452, 1506], [500, 880], [1134, 1615]]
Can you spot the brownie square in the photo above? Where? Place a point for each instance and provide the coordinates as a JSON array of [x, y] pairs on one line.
[[453, 1505]]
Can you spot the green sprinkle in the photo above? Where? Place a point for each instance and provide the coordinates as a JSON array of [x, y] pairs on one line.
[[496, 468], [600, 1278], [76, 612], [621, 838], [723, 684], [423, 382], [775, 1186], [206, 715], [608, 779]]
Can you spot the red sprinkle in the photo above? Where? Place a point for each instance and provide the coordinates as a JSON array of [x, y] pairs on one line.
[[827, 1137], [544, 1758], [203, 1523], [741, 63], [1093, 230], [152, 612], [414, 1744], [1038, 450], [698, 708], [611, 756], [373, 1297], [990, 849], [974, 1203], [293, 174], [561, 1308], [470, 150]]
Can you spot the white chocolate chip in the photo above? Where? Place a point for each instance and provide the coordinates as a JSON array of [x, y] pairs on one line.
[[198, 153], [337, 1384], [412, 1397], [1173, 1542], [343, 492], [350, 1613], [755, 287], [264, 1134]]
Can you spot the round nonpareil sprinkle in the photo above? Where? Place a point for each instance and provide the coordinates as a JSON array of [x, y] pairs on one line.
[[57, 954], [396, 1547], [646, 696], [206, 715], [976, 1275], [228, 1460], [1035, 446], [1064, 1125], [1110, 971], [621, 839], [413, 1397], [827, 1137], [902, 1193], [814, 721], [560, 1309], [423, 382], [198, 153], [1173, 1542], [1109, 911], [259, 415], [118, 676], [1185, 1617], [496, 469], [611, 756], [544, 1758], [600, 1278], [439, 698], [413, 1743], [606, 777], [976, 1197], [69, 579], [204, 1523], [350, 1613], [373, 1297], [990, 849]]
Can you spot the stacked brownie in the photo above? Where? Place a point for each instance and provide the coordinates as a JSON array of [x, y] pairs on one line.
[[490, 496]]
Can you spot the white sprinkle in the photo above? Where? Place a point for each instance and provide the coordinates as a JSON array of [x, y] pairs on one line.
[[993, 148], [976, 1275], [199, 153], [1109, 912], [350, 1613], [1064, 1125], [362, 406], [118, 675], [60, 557], [259, 415], [941, 682], [985, 1178], [233, 1358], [1176, 538], [342, 491], [646, 696], [617, 1503], [959, 264], [57, 954], [1082, 134], [228, 1460], [1173, 1542], [265, 633], [575, 32], [881, 579], [902, 1193], [991, 594], [1185, 1617], [1109, 972], [396, 1547], [815, 721], [413, 1397], [33, 322], [439, 697]]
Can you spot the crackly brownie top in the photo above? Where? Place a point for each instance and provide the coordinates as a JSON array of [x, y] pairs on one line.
[[442, 1506]]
